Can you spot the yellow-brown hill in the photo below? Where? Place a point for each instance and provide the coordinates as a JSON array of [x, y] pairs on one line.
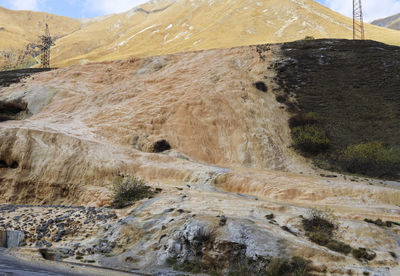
[[162, 27], [166, 26], [19, 28]]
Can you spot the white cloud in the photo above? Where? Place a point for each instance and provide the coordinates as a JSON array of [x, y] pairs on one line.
[[372, 9], [25, 4], [112, 6]]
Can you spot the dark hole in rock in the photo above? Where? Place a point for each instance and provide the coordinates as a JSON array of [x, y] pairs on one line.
[[11, 110], [3, 164], [161, 145], [48, 254], [260, 85], [14, 165]]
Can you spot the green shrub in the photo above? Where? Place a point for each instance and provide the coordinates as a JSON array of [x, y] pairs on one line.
[[371, 159], [309, 37], [309, 138], [129, 189]]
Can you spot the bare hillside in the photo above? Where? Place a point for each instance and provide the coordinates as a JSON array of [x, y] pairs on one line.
[[164, 27]]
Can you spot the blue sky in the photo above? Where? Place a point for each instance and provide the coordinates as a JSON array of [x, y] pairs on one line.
[[373, 9]]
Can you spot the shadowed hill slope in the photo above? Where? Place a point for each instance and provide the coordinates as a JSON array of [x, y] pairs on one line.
[[352, 86]]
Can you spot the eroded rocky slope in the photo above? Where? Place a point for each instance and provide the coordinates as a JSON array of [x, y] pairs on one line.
[[230, 164]]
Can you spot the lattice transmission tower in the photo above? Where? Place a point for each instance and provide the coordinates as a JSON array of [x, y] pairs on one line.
[[358, 23], [47, 42]]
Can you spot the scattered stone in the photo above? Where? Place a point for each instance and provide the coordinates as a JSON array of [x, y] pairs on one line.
[[287, 229], [222, 220], [270, 216]]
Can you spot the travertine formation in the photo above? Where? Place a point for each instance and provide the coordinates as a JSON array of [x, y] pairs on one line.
[[230, 163]]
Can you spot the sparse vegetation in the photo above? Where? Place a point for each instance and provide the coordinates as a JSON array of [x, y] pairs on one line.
[[319, 228], [283, 267], [371, 159], [382, 223], [339, 246], [319, 221], [309, 37], [194, 266], [203, 237], [270, 216], [363, 254], [240, 271], [303, 119], [277, 267], [129, 189], [310, 139], [394, 255]]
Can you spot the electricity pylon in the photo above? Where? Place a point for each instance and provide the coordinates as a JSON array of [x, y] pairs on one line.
[[358, 23], [47, 42]]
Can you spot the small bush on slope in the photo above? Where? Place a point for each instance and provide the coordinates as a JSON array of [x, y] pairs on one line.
[[129, 189], [371, 159], [319, 229], [310, 139]]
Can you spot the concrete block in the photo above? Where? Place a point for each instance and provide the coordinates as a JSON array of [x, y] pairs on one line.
[[14, 238]]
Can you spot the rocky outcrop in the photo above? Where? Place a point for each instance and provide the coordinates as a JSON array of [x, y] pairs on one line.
[[238, 245]]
